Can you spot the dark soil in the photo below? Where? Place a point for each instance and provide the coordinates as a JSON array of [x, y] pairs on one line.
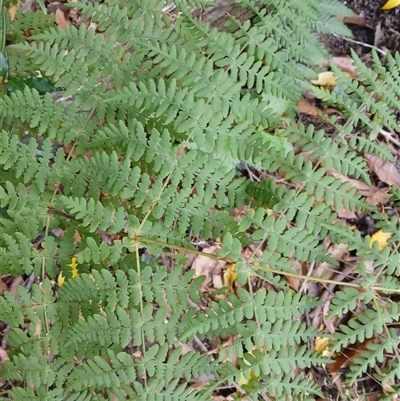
[[381, 29]]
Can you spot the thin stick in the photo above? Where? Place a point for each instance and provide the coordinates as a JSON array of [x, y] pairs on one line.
[[361, 43], [389, 137]]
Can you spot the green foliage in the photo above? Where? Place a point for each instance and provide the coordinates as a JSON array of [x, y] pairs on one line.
[[140, 157]]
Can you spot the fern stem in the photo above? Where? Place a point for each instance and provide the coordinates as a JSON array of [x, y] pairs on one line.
[[268, 269], [179, 248], [139, 271], [3, 51]]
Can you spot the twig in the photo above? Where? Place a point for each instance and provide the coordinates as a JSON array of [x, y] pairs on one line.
[[200, 344], [328, 294], [309, 273], [394, 31], [389, 137], [252, 176], [361, 43], [30, 281]]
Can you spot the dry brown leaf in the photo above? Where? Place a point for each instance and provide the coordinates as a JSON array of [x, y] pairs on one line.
[[294, 282], [385, 170], [373, 195], [327, 270], [331, 110], [186, 348], [330, 326], [377, 196], [307, 108], [345, 213], [3, 286], [345, 63], [77, 237], [27, 6], [60, 19], [38, 328], [3, 355], [217, 281], [18, 281], [346, 356], [205, 266], [361, 187], [355, 20], [231, 356]]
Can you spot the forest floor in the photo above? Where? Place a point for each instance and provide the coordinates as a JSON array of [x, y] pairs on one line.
[[372, 28]]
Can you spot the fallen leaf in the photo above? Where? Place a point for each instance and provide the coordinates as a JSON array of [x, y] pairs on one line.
[[321, 343], [385, 170], [74, 272], [60, 19], [205, 266], [346, 356], [77, 237], [17, 282], [331, 110], [307, 108], [217, 281], [327, 270], [325, 79], [3, 286], [382, 239], [225, 356], [345, 213], [294, 282], [330, 324], [390, 4], [345, 63], [243, 381], [355, 20], [60, 280], [12, 12], [186, 348], [3, 355], [377, 196], [230, 277], [38, 328], [380, 35], [373, 195]]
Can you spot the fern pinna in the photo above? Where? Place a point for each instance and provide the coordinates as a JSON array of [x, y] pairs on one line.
[[121, 145]]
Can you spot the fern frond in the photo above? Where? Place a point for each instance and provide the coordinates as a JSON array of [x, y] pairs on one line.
[[372, 355], [365, 326], [328, 21], [265, 306], [116, 376], [143, 155]]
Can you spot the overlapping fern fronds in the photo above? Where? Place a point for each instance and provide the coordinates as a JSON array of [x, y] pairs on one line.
[[143, 159]]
